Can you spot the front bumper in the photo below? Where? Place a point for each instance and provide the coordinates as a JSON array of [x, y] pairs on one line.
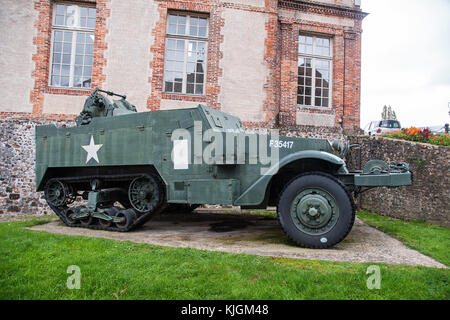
[[398, 175]]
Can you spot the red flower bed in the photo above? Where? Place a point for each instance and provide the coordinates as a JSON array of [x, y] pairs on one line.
[[420, 135]]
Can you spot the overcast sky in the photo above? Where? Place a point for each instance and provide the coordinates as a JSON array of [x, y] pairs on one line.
[[406, 61]]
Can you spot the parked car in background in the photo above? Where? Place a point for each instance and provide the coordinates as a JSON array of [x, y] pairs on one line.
[[436, 129], [382, 126]]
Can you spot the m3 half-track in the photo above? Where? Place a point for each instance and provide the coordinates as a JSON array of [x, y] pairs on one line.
[[117, 168]]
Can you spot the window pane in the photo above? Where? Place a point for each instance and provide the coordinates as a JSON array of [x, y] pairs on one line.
[[200, 67], [172, 29], [56, 58], [77, 81], [80, 48], [182, 20], [171, 44], [307, 101], [91, 23], [78, 71], [202, 32], [60, 9], [185, 58], [180, 45], [314, 70], [58, 36], [318, 102], [88, 60], [68, 36], [66, 58], [92, 12], [89, 49], [199, 89], [57, 47], [78, 59], [199, 78], [55, 81], [71, 16], [191, 77], [177, 87], [181, 29], [83, 12], [87, 83], [56, 68], [65, 81], [65, 70], [64, 65], [87, 71], [172, 19], [59, 20], [322, 47], [89, 38], [67, 47]]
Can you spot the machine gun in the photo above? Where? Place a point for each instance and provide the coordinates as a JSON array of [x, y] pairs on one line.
[[97, 105]]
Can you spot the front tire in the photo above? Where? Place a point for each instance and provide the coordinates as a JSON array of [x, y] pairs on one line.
[[315, 210]]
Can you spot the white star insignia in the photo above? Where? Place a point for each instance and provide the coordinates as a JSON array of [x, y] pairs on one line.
[[91, 150]]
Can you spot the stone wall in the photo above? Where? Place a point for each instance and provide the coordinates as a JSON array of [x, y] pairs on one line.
[[428, 198], [17, 158]]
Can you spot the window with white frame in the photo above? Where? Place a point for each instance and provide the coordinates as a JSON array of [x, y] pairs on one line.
[[185, 56], [314, 71], [72, 45]]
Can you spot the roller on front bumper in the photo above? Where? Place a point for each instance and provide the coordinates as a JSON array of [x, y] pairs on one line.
[[377, 173]]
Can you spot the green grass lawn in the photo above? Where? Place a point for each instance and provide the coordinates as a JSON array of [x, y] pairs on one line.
[[429, 239], [33, 265]]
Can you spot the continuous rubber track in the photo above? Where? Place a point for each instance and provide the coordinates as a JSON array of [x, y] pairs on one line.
[[343, 187], [61, 213], [141, 217]]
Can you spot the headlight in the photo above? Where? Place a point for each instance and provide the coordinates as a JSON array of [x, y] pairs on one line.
[[336, 146]]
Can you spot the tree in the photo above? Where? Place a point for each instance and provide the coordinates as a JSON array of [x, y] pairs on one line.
[[388, 113]]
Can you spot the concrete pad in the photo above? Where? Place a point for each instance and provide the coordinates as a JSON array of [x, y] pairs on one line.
[[255, 234]]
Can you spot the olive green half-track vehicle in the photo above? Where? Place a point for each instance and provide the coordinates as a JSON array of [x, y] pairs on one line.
[[117, 168]]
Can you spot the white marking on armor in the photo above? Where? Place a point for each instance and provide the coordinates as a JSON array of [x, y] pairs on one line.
[[180, 154], [92, 150]]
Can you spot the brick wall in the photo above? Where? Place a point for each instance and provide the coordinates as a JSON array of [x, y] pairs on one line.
[[428, 198]]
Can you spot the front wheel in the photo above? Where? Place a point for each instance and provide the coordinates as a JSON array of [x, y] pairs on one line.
[[315, 210]]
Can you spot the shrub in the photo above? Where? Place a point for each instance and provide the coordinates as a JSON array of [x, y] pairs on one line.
[[420, 135]]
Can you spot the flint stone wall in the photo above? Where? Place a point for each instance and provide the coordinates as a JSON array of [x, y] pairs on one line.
[[17, 159], [428, 199]]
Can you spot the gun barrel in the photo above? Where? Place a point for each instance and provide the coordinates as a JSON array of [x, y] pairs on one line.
[[110, 93]]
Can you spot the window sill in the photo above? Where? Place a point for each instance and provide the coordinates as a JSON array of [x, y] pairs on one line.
[[313, 108], [68, 90], [183, 97]]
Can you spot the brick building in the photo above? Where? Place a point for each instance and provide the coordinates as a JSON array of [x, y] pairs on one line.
[[287, 64]]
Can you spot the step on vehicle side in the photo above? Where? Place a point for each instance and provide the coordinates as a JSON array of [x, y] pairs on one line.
[[117, 168]]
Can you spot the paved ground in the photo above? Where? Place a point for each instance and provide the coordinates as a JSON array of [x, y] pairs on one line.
[[251, 234]]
